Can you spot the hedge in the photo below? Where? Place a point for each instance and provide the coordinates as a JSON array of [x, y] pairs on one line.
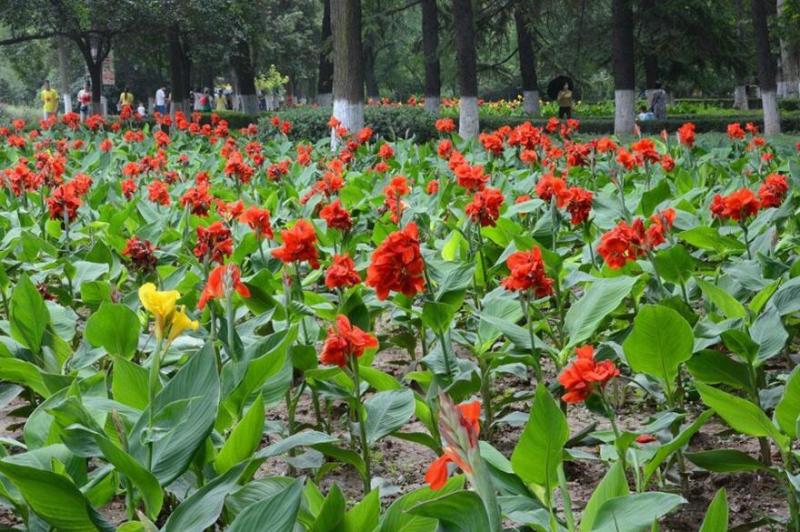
[[404, 122]]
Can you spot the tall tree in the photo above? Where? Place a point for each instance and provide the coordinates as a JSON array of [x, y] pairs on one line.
[[430, 51], [348, 68], [178, 65], [466, 58], [245, 77], [523, 17], [622, 59], [789, 81], [325, 75], [740, 99], [370, 79], [650, 24], [766, 67]]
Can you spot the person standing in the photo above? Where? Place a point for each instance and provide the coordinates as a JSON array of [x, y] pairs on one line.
[[564, 100], [220, 104], [49, 98], [84, 100], [658, 102], [161, 101], [126, 100]]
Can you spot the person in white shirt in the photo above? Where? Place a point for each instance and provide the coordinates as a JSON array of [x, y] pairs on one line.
[[141, 110], [161, 101]]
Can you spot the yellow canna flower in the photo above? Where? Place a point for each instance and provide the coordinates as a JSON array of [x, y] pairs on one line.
[[179, 323], [170, 319]]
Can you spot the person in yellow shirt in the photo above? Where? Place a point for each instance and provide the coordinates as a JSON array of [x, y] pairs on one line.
[[126, 99], [49, 99], [219, 101]]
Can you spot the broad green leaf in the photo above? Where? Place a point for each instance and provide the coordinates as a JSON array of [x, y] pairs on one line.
[[244, 438], [29, 316], [712, 367], [654, 196], [277, 513], [129, 383], [387, 412], [461, 511], [675, 264], [438, 316], [614, 484], [185, 410], [115, 328], [305, 438], [674, 444], [635, 512], [769, 333], [331, 513], [726, 303], [788, 408], [397, 518], [54, 498], [364, 516], [202, 508], [740, 343], [659, 342], [708, 238], [725, 461], [585, 315], [740, 414], [716, 519], [23, 373], [539, 451]]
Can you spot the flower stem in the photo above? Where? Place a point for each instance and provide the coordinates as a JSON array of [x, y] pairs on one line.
[[152, 390], [362, 426]]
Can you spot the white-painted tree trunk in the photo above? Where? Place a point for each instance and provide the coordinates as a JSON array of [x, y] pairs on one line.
[[530, 102], [772, 119], [67, 103], [432, 104], [468, 117], [624, 113], [249, 103], [740, 97], [350, 115], [325, 99]]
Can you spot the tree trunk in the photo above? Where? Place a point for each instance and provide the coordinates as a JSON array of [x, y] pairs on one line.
[[649, 26], [466, 58], [766, 68], [373, 93], [789, 82], [348, 67], [430, 51], [740, 99], [622, 53], [63, 73], [176, 73], [246, 77], [325, 78], [527, 58], [96, 75]]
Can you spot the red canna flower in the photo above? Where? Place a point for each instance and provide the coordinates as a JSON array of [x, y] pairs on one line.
[[397, 188], [238, 169], [578, 203], [222, 280], [364, 135], [735, 131], [660, 223], [645, 438], [299, 244], [258, 220], [645, 151], [342, 272], [336, 216], [625, 159], [128, 187], [585, 376], [106, 145], [345, 341], [773, 190], [667, 163], [468, 421], [622, 244], [686, 134], [737, 206], [549, 186], [198, 199], [141, 254], [492, 142], [432, 187], [386, 152], [397, 264], [64, 202], [471, 177], [213, 242], [445, 148], [485, 206], [527, 272], [445, 125], [304, 154], [158, 192]]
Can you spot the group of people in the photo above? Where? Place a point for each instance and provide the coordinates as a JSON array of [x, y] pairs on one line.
[[655, 109]]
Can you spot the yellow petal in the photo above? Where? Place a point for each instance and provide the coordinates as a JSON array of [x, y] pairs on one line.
[[180, 322], [160, 304]]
